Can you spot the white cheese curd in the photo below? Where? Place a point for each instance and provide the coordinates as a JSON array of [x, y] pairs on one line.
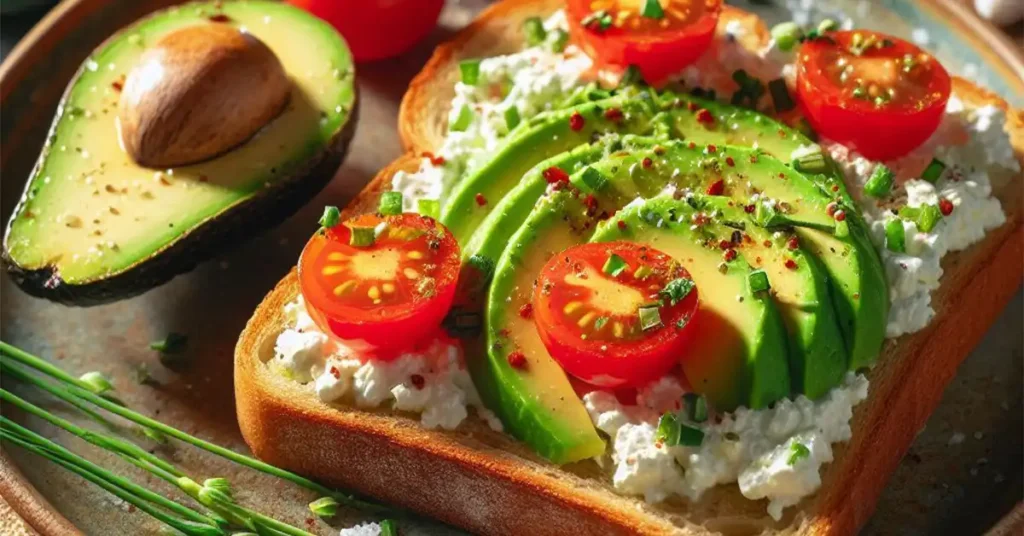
[[755, 448], [535, 79], [432, 382], [362, 529], [973, 144]]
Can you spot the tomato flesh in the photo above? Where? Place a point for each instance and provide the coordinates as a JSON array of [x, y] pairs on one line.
[[383, 297], [590, 320], [658, 47], [875, 93]]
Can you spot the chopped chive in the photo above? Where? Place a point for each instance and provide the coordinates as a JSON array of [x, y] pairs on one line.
[[594, 179], [929, 217], [511, 117], [933, 171], [362, 237], [429, 207], [671, 432], [330, 217], [172, 344], [895, 236], [470, 70], [391, 203], [558, 40], [615, 265], [642, 272], [97, 382], [827, 25], [880, 183], [388, 527], [696, 407], [462, 120], [534, 31], [599, 21], [781, 98], [650, 318], [652, 10], [600, 323], [631, 76], [799, 451], [842, 229], [676, 290], [813, 162], [324, 507], [786, 35], [758, 281]]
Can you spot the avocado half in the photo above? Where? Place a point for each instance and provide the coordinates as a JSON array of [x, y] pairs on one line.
[[93, 226]]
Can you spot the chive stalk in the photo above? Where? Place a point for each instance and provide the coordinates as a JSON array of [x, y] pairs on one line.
[[391, 203], [933, 171], [895, 236], [512, 117], [558, 40], [615, 265], [330, 217], [758, 281], [462, 120], [594, 180], [429, 207], [880, 183], [650, 317], [362, 237], [470, 71], [812, 162], [787, 35], [533, 29]]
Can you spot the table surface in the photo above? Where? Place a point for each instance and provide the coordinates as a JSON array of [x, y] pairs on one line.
[[962, 472]]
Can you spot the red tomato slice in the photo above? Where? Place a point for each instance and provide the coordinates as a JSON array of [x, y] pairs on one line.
[[590, 320], [873, 92], [615, 33], [387, 296]]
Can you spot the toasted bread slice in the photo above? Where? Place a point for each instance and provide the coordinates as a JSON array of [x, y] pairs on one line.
[[489, 483]]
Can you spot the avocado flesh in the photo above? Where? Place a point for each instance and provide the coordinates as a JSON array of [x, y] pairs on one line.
[[94, 226], [537, 403], [740, 359]]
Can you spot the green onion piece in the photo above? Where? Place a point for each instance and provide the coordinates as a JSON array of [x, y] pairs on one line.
[[758, 281], [933, 171], [827, 25], [330, 217], [558, 40], [391, 203], [909, 213], [511, 117], [842, 229], [786, 35], [534, 30], [813, 162], [172, 344], [781, 98], [650, 318], [676, 290], [930, 216], [696, 407], [388, 527], [362, 237], [324, 507], [631, 76], [463, 120], [765, 215], [652, 10], [880, 183], [594, 179], [895, 236], [600, 323], [798, 452], [615, 265], [97, 382], [642, 272], [671, 432], [470, 70], [429, 207]]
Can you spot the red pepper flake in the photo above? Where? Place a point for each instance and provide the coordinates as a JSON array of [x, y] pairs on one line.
[[517, 360], [716, 188], [647, 163], [753, 158], [730, 162], [791, 264], [835, 187], [417, 381], [705, 117], [945, 206], [613, 114], [434, 160], [576, 122], [692, 145], [782, 133], [767, 243], [724, 244], [840, 215], [831, 209], [526, 311], [481, 200], [335, 372], [712, 149], [622, 225], [729, 255], [591, 203], [220, 17], [749, 209], [782, 175], [555, 174], [118, 85], [692, 106], [793, 243]]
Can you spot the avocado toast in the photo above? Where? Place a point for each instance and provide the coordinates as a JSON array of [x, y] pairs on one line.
[[286, 424]]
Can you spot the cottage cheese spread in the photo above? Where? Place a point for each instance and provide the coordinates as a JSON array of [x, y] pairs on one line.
[[432, 382]]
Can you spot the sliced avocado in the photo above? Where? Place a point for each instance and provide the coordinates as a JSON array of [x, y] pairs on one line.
[[739, 359], [94, 226], [536, 402]]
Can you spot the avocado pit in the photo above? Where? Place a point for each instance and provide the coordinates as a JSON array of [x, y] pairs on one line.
[[199, 92]]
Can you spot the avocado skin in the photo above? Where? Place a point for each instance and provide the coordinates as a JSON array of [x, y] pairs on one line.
[[260, 212]]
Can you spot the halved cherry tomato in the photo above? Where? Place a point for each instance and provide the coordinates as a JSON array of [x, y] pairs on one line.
[[615, 33], [873, 92], [590, 321], [384, 296]]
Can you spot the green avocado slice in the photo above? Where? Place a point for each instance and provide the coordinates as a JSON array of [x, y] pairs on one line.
[[93, 226], [740, 357]]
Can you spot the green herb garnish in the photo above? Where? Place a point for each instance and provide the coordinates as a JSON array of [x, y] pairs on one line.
[[389, 527], [615, 265], [787, 35], [558, 40], [671, 432], [812, 162], [827, 25], [324, 507], [895, 236], [676, 290], [601, 322], [362, 237], [533, 29], [652, 10], [880, 183], [391, 203], [599, 20], [330, 217], [696, 407], [928, 218], [511, 117], [470, 71], [172, 344], [798, 452], [594, 179], [429, 207], [462, 120], [632, 76], [933, 171], [650, 318], [757, 280], [642, 272]]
